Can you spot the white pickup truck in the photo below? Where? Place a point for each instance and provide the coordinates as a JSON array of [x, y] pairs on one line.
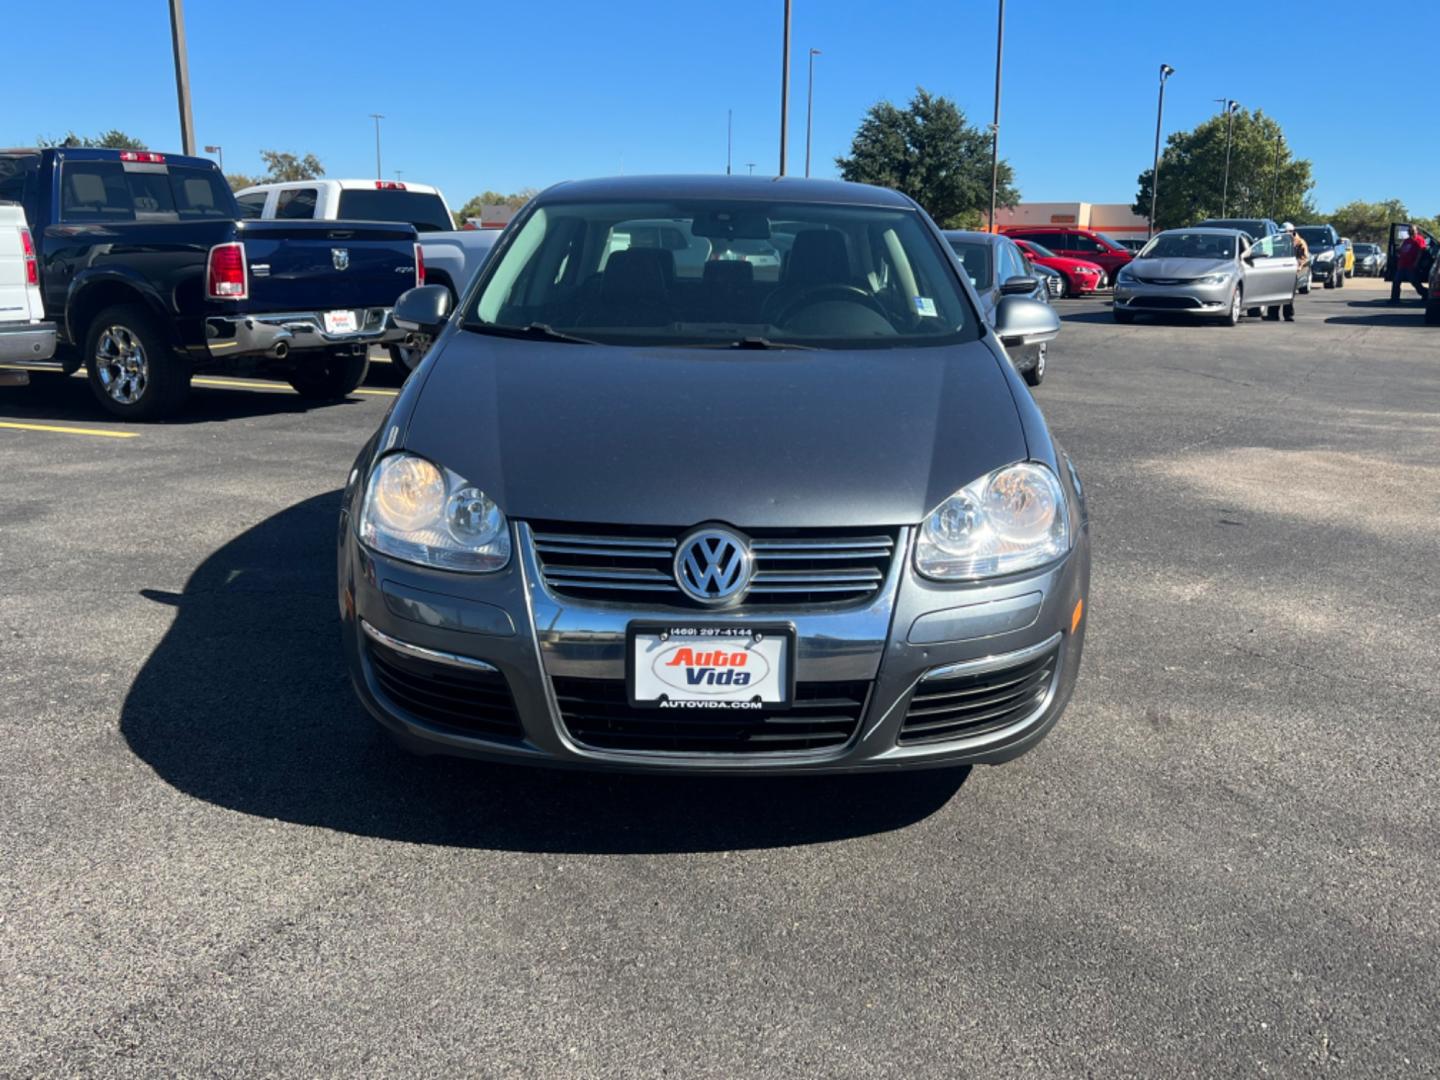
[[26, 340], [451, 255]]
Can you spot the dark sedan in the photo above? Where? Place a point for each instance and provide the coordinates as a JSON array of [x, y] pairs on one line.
[[740, 518]]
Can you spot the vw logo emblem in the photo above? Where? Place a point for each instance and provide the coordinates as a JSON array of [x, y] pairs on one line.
[[713, 566], [340, 257]]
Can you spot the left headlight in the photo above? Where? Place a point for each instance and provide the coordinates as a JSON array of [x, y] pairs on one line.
[[418, 512], [1212, 279], [1013, 519]]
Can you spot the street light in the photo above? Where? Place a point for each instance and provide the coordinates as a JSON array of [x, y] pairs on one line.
[[995, 127], [217, 150], [377, 117], [182, 76], [810, 108], [1165, 72], [1231, 108], [785, 87], [1275, 181]]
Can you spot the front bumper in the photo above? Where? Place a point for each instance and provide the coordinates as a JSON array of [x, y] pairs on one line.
[[29, 345], [1179, 298], [1323, 272], [512, 623], [278, 334]]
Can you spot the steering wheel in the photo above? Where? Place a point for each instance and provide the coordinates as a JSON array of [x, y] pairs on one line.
[[815, 294]]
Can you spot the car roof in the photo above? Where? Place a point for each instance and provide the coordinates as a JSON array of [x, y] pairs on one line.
[[345, 185], [1219, 230], [757, 188]]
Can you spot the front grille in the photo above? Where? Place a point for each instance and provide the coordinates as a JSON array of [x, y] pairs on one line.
[[975, 704], [1177, 302], [473, 702], [636, 565], [597, 713]]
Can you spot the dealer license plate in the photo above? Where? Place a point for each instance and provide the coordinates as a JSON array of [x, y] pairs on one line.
[[711, 667], [340, 322]]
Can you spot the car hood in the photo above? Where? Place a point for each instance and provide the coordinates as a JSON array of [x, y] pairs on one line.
[[664, 436], [1180, 269]]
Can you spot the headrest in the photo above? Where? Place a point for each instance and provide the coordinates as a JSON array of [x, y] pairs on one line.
[[729, 272], [819, 256], [638, 272], [87, 189]]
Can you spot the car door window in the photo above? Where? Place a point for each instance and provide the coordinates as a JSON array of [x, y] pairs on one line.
[[252, 205], [1085, 244], [1011, 264], [297, 203], [95, 191]]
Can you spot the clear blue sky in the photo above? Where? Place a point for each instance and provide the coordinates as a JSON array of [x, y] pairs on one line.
[[507, 96]]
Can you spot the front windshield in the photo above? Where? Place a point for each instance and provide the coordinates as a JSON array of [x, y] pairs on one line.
[[975, 256], [1190, 245], [717, 272], [1315, 236]]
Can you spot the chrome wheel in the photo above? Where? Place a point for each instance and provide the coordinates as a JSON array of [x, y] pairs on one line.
[[121, 365]]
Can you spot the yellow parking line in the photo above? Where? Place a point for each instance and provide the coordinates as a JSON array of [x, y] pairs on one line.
[[258, 384], [100, 432]]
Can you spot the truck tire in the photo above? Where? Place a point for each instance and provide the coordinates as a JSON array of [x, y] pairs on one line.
[[132, 370], [330, 376]]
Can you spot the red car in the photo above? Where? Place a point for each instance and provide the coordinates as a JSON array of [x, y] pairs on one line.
[[1072, 242], [1080, 277]]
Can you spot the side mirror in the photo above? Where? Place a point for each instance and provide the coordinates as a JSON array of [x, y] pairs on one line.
[[1022, 321], [424, 309], [1019, 286]]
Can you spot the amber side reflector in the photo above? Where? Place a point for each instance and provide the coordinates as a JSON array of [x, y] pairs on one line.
[[1079, 611]]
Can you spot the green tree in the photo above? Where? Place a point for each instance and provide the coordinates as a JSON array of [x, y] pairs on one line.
[[474, 205], [113, 139], [1192, 175], [240, 180], [282, 166], [929, 152], [1367, 222]]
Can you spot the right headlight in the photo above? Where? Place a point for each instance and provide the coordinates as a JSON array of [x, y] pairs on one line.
[[1124, 277], [1012, 519], [420, 513]]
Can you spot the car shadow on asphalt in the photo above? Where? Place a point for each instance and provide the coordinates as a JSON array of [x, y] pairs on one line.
[[53, 397], [1409, 312], [246, 704]]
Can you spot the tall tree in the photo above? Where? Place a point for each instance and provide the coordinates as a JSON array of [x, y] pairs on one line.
[[475, 204], [114, 139], [282, 166], [928, 151], [1368, 222], [1192, 175], [240, 180]]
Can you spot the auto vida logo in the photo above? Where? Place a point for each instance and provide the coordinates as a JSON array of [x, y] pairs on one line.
[[708, 671], [341, 258], [713, 566]]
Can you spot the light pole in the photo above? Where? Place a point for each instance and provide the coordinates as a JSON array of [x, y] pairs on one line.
[[995, 127], [810, 108], [377, 117], [182, 76], [1231, 108], [217, 150], [1165, 72], [785, 87], [751, 166], [1275, 180]]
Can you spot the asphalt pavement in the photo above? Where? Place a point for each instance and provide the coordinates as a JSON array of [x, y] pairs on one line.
[[1224, 861]]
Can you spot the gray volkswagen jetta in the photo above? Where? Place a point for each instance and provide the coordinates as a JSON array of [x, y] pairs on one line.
[[716, 474]]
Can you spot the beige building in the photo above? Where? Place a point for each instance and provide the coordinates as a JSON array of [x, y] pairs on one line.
[[1114, 218]]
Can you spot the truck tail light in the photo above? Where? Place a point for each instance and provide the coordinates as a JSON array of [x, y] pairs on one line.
[[146, 156], [389, 185], [419, 265], [226, 275], [32, 269]]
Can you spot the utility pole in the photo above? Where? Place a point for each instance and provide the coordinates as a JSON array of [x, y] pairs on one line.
[[1165, 72], [182, 76], [377, 117], [729, 137], [810, 108], [1275, 181], [995, 127], [1231, 108], [785, 88], [217, 150]]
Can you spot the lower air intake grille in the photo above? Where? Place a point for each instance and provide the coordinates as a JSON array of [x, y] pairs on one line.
[[597, 713], [473, 702], [970, 705]]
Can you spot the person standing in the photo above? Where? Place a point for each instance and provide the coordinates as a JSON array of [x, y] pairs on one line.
[[1407, 262]]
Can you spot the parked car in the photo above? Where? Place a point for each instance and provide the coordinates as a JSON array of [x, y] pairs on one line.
[[997, 269], [1218, 273], [150, 278], [1076, 243], [451, 256], [1080, 277], [26, 339], [1432, 298], [1369, 260], [1053, 279], [889, 571], [1349, 256], [1327, 254], [1255, 228]]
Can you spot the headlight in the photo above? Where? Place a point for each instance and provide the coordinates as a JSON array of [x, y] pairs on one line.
[[1212, 279], [1013, 519], [1124, 277], [420, 513], [1325, 256]]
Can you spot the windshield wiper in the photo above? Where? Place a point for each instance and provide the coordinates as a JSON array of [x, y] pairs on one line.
[[763, 343], [533, 332]]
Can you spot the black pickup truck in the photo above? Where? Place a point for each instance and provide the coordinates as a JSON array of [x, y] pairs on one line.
[[150, 278]]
